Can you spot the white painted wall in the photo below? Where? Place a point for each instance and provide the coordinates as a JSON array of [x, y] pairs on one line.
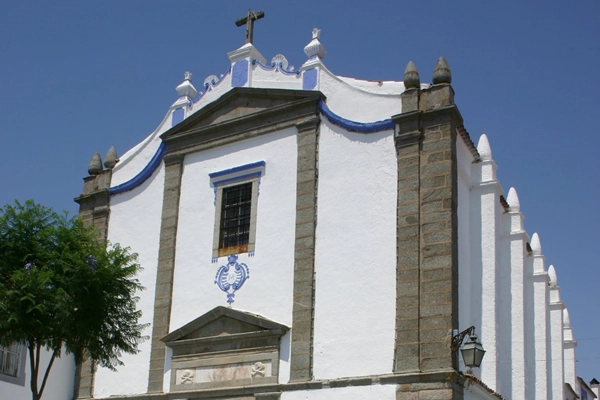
[[135, 219], [60, 381], [375, 392], [273, 79], [355, 259], [465, 272], [349, 101], [485, 233], [269, 290]]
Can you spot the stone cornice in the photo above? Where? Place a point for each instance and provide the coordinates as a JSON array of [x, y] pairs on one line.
[[240, 391]]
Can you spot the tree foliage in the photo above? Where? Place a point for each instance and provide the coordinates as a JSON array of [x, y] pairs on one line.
[[61, 288]]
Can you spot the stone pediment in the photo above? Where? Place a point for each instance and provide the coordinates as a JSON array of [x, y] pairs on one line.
[[223, 324], [225, 347], [243, 110]]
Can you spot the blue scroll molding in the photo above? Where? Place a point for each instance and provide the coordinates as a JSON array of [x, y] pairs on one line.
[[352, 126], [144, 173]]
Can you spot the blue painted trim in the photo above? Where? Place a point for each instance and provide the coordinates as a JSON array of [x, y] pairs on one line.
[[236, 178], [177, 116], [353, 126], [143, 175], [309, 79], [277, 67], [239, 73], [237, 169]]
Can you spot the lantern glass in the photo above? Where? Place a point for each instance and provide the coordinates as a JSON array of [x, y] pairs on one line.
[[472, 352]]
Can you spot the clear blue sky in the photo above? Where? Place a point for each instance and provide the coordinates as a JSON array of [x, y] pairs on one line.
[[79, 76]]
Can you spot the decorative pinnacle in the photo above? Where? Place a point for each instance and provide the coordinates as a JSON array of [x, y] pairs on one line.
[[411, 76], [441, 73], [315, 48], [95, 165], [552, 275], [186, 88], [566, 318], [536, 245], [110, 160], [484, 149], [513, 200]]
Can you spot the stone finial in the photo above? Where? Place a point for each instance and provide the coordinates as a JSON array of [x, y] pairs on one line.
[[441, 73], [411, 76], [315, 48], [95, 165], [536, 245], [110, 159], [566, 318], [553, 277], [186, 88], [484, 149], [513, 200]]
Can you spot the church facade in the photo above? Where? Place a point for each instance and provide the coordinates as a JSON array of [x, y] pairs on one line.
[[310, 236]]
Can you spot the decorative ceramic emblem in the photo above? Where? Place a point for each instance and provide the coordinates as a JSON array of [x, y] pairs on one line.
[[231, 276]]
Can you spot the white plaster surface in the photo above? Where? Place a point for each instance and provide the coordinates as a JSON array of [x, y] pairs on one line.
[[273, 79], [355, 259], [349, 101], [58, 387], [268, 291], [374, 392], [135, 218]]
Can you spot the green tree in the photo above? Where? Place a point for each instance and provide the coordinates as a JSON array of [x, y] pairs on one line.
[[62, 289]]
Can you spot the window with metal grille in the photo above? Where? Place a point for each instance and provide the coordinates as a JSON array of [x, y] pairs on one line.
[[9, 359], [235, 216]]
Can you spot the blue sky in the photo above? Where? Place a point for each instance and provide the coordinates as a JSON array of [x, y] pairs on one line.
[[79, 76]]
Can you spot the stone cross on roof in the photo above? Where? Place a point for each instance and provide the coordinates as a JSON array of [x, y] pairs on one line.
[[248, 20]]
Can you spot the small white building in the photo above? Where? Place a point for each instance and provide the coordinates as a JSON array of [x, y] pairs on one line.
[[310, 236]]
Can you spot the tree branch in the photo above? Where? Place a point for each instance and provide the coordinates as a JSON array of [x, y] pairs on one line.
[[48, 371], [33, 381]]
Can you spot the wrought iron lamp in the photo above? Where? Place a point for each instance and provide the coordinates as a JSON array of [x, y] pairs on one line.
[[472, 351]]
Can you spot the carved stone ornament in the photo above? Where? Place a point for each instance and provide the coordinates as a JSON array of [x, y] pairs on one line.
[[411, 77], [210, 81], [280, 60], [188, 376], [225, 348], [258, 369], [315, 48], [110, 160], [95, 165], [441, 73]]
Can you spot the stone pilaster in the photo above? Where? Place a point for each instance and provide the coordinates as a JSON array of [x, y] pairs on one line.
[[304, 251], [94, 209], [164, 275], [427, 235], [408, 146]]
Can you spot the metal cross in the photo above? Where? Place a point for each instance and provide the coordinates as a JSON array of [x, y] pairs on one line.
[[248, 20]]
